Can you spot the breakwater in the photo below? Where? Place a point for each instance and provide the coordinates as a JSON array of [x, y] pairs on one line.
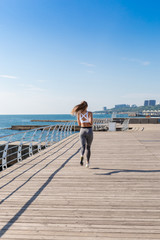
[[53, 121], [76, 128], [134, 120], [29, 127]]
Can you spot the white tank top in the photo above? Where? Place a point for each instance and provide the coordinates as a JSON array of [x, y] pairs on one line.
[[84, 118]]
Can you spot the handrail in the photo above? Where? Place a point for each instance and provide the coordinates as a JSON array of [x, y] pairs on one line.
[[100, 123], [18, 146], [103, 124], [26, 130], [125, 124]]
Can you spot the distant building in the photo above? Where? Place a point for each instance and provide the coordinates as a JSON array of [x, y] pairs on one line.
[[150, 103], [146, 103], [122, 106], [134, 106], [104, 108]]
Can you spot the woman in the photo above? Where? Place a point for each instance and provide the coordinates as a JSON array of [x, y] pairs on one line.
[[85, 121]]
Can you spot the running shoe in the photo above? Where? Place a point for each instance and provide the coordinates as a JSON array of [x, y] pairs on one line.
[[81, 162], [87, 164]]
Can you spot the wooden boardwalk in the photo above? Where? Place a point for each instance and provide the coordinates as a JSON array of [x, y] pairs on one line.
[[50, 196]]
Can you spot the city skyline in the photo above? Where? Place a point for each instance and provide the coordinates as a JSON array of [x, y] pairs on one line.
[[57, 53]]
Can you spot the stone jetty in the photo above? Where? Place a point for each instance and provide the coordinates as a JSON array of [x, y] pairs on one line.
[[58, 121], [29, 127], [133, 120]]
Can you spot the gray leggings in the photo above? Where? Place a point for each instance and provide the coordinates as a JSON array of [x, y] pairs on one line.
[[86, 137]]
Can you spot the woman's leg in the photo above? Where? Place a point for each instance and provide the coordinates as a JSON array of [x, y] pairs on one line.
[[89, 142], [88, 154], [83, 144]]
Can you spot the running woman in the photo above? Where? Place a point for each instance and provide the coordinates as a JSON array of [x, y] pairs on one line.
[[85, 121]]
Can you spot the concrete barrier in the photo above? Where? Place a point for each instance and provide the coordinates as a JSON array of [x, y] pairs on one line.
[[139, 120]]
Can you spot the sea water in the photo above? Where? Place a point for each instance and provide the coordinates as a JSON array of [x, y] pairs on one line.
[[6, 121]]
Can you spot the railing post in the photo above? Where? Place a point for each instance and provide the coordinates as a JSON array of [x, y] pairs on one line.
[[62, 129], [52, 135], [46, 141], [4, 156], [30, 149], [58, 130], [19, 153], [125, 124], [70, 128], [39, 140], [66, 130], [30, 144]]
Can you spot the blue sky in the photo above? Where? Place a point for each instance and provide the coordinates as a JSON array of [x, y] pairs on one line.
[[57, 53]]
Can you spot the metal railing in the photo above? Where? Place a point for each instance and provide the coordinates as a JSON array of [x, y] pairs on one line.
[[100, 124], [125, 124], [16, 147], [103, 124]]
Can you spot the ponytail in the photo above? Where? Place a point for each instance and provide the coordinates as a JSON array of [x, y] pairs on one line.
[[79, 108]]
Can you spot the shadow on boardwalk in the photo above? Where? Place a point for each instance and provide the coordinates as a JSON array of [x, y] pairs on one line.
[[37, 193], [114, 171]]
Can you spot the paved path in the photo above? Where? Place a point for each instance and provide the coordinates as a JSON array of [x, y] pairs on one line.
[[50, 196]]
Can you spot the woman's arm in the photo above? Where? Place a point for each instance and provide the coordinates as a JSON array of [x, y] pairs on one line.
[[91, 118], [78, 120]]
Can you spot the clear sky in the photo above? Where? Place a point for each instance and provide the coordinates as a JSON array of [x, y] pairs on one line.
[[57, 53]]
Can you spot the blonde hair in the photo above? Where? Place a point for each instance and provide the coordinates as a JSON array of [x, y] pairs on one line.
[[79, 108]]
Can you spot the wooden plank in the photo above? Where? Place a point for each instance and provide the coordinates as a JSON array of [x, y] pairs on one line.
[[50, 196]]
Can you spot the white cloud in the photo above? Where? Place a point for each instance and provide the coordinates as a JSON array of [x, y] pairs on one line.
[[8, 76], [31, 88], [87, 64], [144, 63]]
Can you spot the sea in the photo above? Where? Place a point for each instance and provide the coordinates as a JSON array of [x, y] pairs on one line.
[[6, 121]]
